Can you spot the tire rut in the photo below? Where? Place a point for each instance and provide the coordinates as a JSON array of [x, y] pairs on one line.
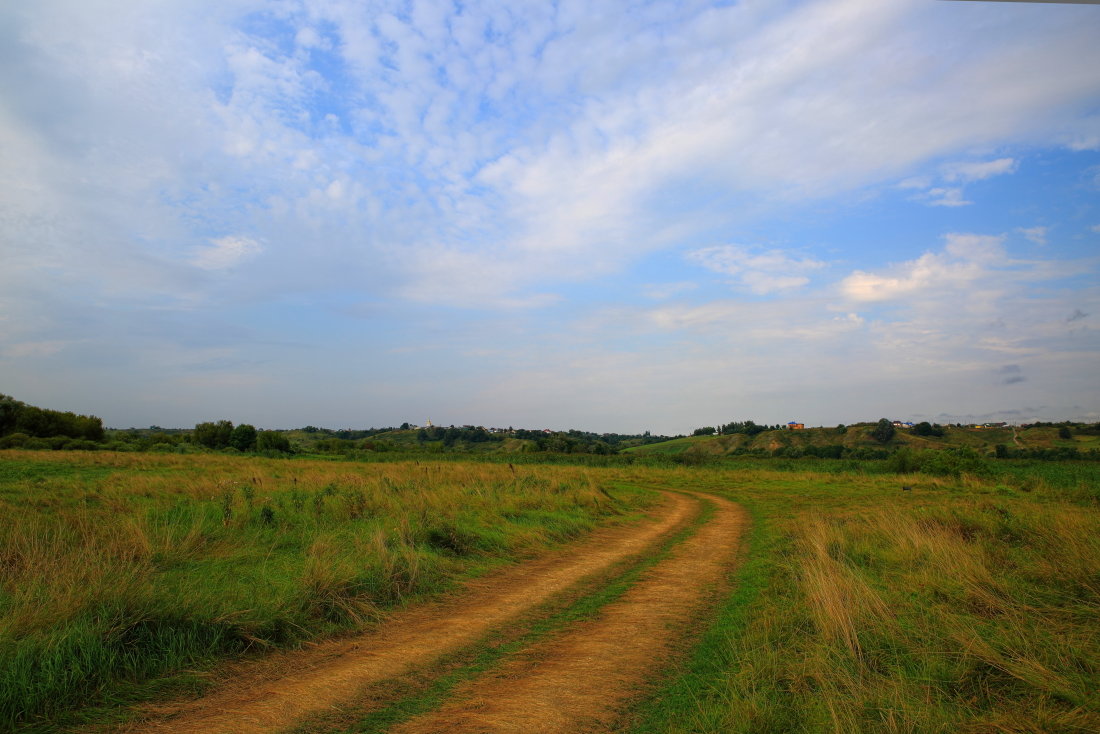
[[582, 680], [283, 688]]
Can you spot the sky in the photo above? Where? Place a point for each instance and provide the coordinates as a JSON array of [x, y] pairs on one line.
[[616, 216]]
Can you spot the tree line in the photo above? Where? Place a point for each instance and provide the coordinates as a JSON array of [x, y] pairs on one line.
[[750, 428], [19, 421]]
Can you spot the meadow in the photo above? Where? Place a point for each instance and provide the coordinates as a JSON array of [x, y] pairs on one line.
[[877, 602], [868, 598], [123, 571]]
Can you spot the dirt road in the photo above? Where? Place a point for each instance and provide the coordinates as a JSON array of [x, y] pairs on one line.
[[618, 650], [578, 681]]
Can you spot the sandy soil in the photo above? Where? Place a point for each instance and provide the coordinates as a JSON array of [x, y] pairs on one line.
[[283, 688], [580, 681]]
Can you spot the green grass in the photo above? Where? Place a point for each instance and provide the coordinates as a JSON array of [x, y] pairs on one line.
[[427, 689], [688, 691], [122, 570], [673, 446], [965, 603], [961, 605]]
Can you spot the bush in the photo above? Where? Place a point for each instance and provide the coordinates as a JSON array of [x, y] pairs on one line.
[[953, 462], [883, 432], [81, 444], [272, 441], [924, 428], [243, 437], [14, 441], [904, 461]]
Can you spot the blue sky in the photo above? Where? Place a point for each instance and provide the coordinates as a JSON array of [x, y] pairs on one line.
[[647, 216]]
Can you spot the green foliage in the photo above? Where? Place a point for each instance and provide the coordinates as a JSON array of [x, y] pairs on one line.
[[18, 417], [1064, 433], [704, 431], [883, 432], [924, 428], [750, 428], [272, 441], [243, 437], [213, 435]]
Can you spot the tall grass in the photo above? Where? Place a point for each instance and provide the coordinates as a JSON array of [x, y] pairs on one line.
[[958, 605], [120, 568]]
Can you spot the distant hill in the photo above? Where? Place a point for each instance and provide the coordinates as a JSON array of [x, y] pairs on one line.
[[859, 436]]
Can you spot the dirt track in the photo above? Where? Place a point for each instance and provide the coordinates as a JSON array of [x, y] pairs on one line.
[[579, 681], [284, 688]]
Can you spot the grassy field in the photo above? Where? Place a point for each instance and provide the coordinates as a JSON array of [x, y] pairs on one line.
[[122, 569], [867, 600], [957, 605]]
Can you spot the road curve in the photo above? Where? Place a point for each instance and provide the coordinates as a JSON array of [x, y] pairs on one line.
[[286, 687]]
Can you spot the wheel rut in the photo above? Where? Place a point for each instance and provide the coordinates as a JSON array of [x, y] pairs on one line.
[[286, 687], [581, 680]]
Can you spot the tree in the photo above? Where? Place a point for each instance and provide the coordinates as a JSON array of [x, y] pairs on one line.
[[883, 431], [705, 431], [10, 410], [213, 435], [272, 441], [243, 437], [1064, 432]]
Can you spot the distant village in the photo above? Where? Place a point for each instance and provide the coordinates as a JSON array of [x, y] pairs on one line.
[[796, 426]]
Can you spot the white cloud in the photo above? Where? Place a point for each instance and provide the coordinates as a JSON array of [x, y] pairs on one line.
[[662, 291], [964, 260], [916, 182], [979, 170], [1038, 235], [976, 247], [226, 252], [945, 197], [761, 271], [958, 172]]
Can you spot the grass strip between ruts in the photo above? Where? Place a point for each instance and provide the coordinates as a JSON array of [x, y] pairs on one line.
[[427, 688], [682, 697]]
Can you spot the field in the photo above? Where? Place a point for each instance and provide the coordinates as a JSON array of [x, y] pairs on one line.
[[860, 600]]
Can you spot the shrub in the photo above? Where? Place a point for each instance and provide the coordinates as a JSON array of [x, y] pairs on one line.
[[14, 441], [953, 462], [883, 432], [904, 461]]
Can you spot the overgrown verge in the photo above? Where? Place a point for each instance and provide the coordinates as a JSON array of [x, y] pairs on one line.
[[391, 702], [937, 605], [119, 570]]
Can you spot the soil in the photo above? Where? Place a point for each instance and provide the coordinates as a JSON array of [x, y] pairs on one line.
[[283, 688], [581, 680]]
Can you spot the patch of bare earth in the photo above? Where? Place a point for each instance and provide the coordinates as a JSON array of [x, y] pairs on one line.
[[283, 688], [581, 680]]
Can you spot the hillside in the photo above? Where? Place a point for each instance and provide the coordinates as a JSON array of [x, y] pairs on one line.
[[984, 440]]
